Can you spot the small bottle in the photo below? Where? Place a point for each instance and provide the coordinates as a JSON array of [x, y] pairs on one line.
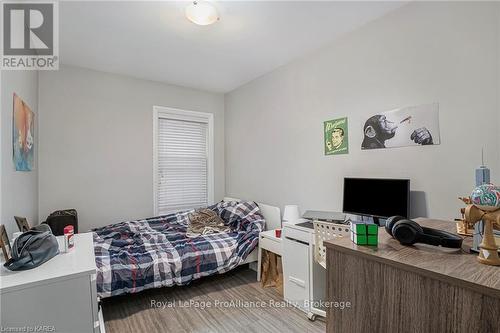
[[69, 241]]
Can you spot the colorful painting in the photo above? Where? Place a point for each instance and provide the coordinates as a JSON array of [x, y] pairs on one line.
[[336, 138], [23, 135], [410, 126]]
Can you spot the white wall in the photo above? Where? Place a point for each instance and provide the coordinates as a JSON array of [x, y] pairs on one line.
[[96, 142], [19, 190], [422, 53], [498, 78]]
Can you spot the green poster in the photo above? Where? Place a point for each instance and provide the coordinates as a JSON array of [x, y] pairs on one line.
[[336, 141]]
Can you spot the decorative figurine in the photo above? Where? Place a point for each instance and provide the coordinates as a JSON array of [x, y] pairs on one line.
[[464, 228], [482, 173], [485, 206]]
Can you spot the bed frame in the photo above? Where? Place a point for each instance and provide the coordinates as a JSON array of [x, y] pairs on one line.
[[272, 215]]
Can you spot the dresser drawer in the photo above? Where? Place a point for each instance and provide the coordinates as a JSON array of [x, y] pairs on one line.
[[64, 306], [270, 245], [299, 235]]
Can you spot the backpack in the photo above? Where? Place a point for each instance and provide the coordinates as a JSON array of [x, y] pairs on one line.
[[32, 248]]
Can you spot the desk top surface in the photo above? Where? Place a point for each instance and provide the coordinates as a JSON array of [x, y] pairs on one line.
[[449, 265]]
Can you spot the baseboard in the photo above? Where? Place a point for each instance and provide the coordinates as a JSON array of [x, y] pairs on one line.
[[102, 328]]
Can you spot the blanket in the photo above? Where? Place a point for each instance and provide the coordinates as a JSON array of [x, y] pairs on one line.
[[205, 221], [132, 256]]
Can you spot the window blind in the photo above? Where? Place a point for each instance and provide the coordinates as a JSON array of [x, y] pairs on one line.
[[182, 165]]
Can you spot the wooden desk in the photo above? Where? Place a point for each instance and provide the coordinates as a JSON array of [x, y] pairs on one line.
[[422, 288]]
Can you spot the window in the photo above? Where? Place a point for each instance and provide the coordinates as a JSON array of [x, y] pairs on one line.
[[183, 160]]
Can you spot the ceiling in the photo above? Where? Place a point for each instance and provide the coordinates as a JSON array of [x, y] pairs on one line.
[[154, 40]]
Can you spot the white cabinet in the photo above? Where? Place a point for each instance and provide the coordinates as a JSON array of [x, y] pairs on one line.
[[296, 272], [304, 279], [60, 294]]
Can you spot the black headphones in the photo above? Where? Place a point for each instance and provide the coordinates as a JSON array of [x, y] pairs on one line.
[[409, 232]]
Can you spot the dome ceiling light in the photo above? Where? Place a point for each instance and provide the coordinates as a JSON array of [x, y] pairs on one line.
[[202, 13]]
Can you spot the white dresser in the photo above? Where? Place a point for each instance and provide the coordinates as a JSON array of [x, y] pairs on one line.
[[60, 294]]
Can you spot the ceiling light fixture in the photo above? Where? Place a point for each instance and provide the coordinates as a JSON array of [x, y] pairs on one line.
[[202, 13]]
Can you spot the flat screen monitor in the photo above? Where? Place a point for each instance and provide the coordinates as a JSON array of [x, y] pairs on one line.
[[380, 198]]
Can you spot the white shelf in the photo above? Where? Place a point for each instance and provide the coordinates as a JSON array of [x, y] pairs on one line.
[[269, 242], [270, 234]]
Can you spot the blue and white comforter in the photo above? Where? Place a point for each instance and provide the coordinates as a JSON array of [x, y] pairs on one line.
[[133, 256]]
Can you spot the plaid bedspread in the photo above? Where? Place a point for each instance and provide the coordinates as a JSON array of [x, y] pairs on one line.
[[133, 256]]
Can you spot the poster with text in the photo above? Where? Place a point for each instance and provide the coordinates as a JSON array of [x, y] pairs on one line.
[[336, 138], [410, 126]]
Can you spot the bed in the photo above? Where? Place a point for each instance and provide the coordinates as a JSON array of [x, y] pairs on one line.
[[272, 215], [133, 256]]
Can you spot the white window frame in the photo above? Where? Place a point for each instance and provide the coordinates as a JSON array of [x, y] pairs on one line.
[[186, 115]]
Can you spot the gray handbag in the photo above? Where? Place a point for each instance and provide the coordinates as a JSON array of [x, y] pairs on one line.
[[32, 248]]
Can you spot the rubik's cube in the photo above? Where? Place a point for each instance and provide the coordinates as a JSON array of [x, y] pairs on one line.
[[363, 233]]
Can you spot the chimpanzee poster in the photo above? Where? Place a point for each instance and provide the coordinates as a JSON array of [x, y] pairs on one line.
[[336, 140], [410, 126]]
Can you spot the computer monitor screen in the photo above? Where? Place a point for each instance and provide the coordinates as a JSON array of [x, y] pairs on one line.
[[377, 197]]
